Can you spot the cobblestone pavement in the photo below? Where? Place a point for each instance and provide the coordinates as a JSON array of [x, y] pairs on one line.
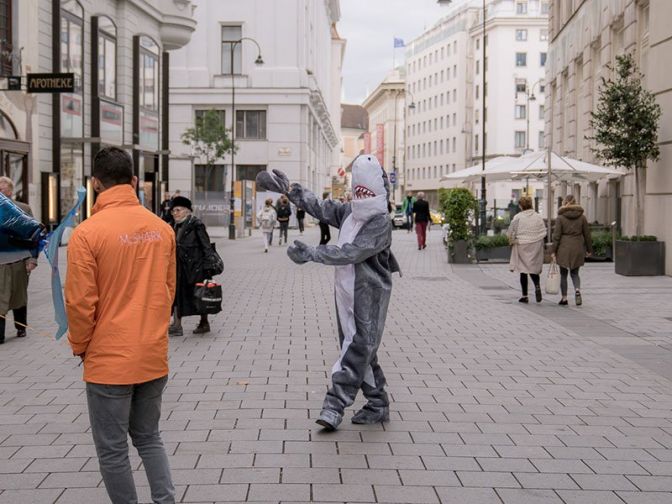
[[493, 402]]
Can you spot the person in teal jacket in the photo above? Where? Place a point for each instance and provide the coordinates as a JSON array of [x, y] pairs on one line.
[[407, 210]]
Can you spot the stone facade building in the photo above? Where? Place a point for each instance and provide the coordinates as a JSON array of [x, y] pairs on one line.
[[586, 36]]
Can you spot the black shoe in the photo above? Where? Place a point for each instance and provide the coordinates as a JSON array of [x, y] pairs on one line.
[[2, 341], [175, 331], [424, 246], [577, 297], [202, 328], [419, 247], [537, 294], [20, 333], [524, 299], [563, 302]]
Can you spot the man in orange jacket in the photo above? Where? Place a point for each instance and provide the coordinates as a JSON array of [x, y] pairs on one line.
[[119, 291]]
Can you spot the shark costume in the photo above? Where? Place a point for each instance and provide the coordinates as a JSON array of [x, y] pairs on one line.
[[363, 283]]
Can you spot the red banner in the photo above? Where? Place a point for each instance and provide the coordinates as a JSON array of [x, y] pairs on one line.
[[380, 143], [367, 142]]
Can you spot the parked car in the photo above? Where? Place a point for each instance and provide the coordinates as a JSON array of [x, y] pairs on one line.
[[437, 217], [399, 219]]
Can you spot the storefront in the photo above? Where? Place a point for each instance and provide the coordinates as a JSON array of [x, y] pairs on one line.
[[14, 158]]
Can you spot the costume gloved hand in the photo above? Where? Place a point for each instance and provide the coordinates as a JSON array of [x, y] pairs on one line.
[[300, 253], [274, 182]]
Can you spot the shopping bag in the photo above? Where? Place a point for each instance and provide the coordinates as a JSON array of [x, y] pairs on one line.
[[553, 279], [208, 297]]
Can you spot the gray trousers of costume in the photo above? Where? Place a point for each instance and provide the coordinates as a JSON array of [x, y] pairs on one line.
[[115, 411], [346, 382]]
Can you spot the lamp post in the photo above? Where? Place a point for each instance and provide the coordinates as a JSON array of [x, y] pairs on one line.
[[529, 96], [484, 201], [258, 61], [410, 106]]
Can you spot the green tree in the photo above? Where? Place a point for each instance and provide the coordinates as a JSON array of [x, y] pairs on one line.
[[625, 125], [460, 207], [209, 138]]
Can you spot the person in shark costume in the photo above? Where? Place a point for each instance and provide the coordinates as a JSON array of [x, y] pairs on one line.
[[363, 283]]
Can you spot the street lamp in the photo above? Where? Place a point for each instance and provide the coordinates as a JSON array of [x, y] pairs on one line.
[[484, 201], [529, 95], [258, 61], [410, 106]]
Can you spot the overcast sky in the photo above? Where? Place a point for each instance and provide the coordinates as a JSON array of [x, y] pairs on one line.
[[370, 27]]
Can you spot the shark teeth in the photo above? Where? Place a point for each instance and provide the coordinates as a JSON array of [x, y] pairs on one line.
[[361, 192]]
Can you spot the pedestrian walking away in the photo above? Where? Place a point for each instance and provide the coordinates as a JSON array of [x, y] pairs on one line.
[[15, 269], [325, 233], [196, 262], [526, 235], [300, 217], [407, 210], [267, 219], [284, 211], [119, 289], [571, 244], [423, 220], [363, 283]]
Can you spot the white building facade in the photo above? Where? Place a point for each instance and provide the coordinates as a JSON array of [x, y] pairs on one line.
[[118, 52], [287, 109], [444, 78]]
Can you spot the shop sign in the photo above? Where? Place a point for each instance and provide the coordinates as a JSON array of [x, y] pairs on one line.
[[51, 83]]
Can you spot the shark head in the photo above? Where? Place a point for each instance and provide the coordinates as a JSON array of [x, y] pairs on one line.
[[370, 188]]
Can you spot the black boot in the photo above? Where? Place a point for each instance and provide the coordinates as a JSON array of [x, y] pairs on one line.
[[203, 326]]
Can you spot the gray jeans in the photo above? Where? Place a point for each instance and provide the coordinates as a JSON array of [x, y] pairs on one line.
[[115, 411]]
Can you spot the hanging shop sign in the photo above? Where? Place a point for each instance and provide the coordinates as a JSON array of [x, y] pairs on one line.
[[51, 83]]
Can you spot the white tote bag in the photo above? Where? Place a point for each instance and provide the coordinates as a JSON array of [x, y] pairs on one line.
[[553, 279]]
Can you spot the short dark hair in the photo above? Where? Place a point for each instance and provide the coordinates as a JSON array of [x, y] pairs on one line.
[[113, 166]]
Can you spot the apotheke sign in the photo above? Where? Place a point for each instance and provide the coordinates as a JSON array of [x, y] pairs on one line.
[[51, 83]]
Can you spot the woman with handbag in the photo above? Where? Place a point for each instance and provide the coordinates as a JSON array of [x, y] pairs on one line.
[[526, 236], [196, 261], [571, 244]]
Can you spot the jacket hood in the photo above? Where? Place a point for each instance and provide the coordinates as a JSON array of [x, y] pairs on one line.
[[370, 188], [119, 195], [571, 211]]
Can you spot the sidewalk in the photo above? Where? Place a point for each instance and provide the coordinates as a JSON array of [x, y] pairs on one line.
[[493, 402]]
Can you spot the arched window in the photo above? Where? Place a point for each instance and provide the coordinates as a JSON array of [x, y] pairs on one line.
[[149, 74], [107, 58], [7, 130]]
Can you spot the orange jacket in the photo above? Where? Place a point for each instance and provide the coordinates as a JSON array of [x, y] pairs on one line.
[[119, 290]]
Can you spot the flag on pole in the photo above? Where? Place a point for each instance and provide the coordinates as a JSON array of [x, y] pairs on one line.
[[398, 42]]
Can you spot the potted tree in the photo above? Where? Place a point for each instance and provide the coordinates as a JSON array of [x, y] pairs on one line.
[[625, 127], [459, 206]]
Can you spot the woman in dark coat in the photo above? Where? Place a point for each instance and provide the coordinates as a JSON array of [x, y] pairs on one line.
[[193, 250], [571, 244]]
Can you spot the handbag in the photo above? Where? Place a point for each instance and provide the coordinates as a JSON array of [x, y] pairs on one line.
[[213, 264], [553, 279], [208, 297]]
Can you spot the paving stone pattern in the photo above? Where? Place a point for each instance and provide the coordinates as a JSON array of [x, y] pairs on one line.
[[492, 402]]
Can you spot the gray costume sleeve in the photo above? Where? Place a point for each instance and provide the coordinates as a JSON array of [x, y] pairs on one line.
[[327, 211], [374, 237]]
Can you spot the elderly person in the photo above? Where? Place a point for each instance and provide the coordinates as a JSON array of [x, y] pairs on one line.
[[571, 244], [15, 267], [193, 254], [422, 220], [526, 235]]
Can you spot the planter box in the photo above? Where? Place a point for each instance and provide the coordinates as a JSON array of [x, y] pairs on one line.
[[640, 258], [607, 257], [494, 254], [459, 252]]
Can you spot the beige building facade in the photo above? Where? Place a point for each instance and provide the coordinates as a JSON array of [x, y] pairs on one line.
[[585, 37]]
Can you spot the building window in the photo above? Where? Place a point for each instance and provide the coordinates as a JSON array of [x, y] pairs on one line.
[[521, 112], [149, 74], [72, 50], [478, 67], [519, 139], [521, 59], [478, 43], [542, 88], [476, 144], [521, 85], [543, 35], [541, 140], [521, 7], [6, 38], [521, 35], [542, 59], [107, 58], [71, 172], [544, 8], [231, 35], [251, 124], [541, 111], [454, 119], [476, 116], [199, 114], [454, 144]]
